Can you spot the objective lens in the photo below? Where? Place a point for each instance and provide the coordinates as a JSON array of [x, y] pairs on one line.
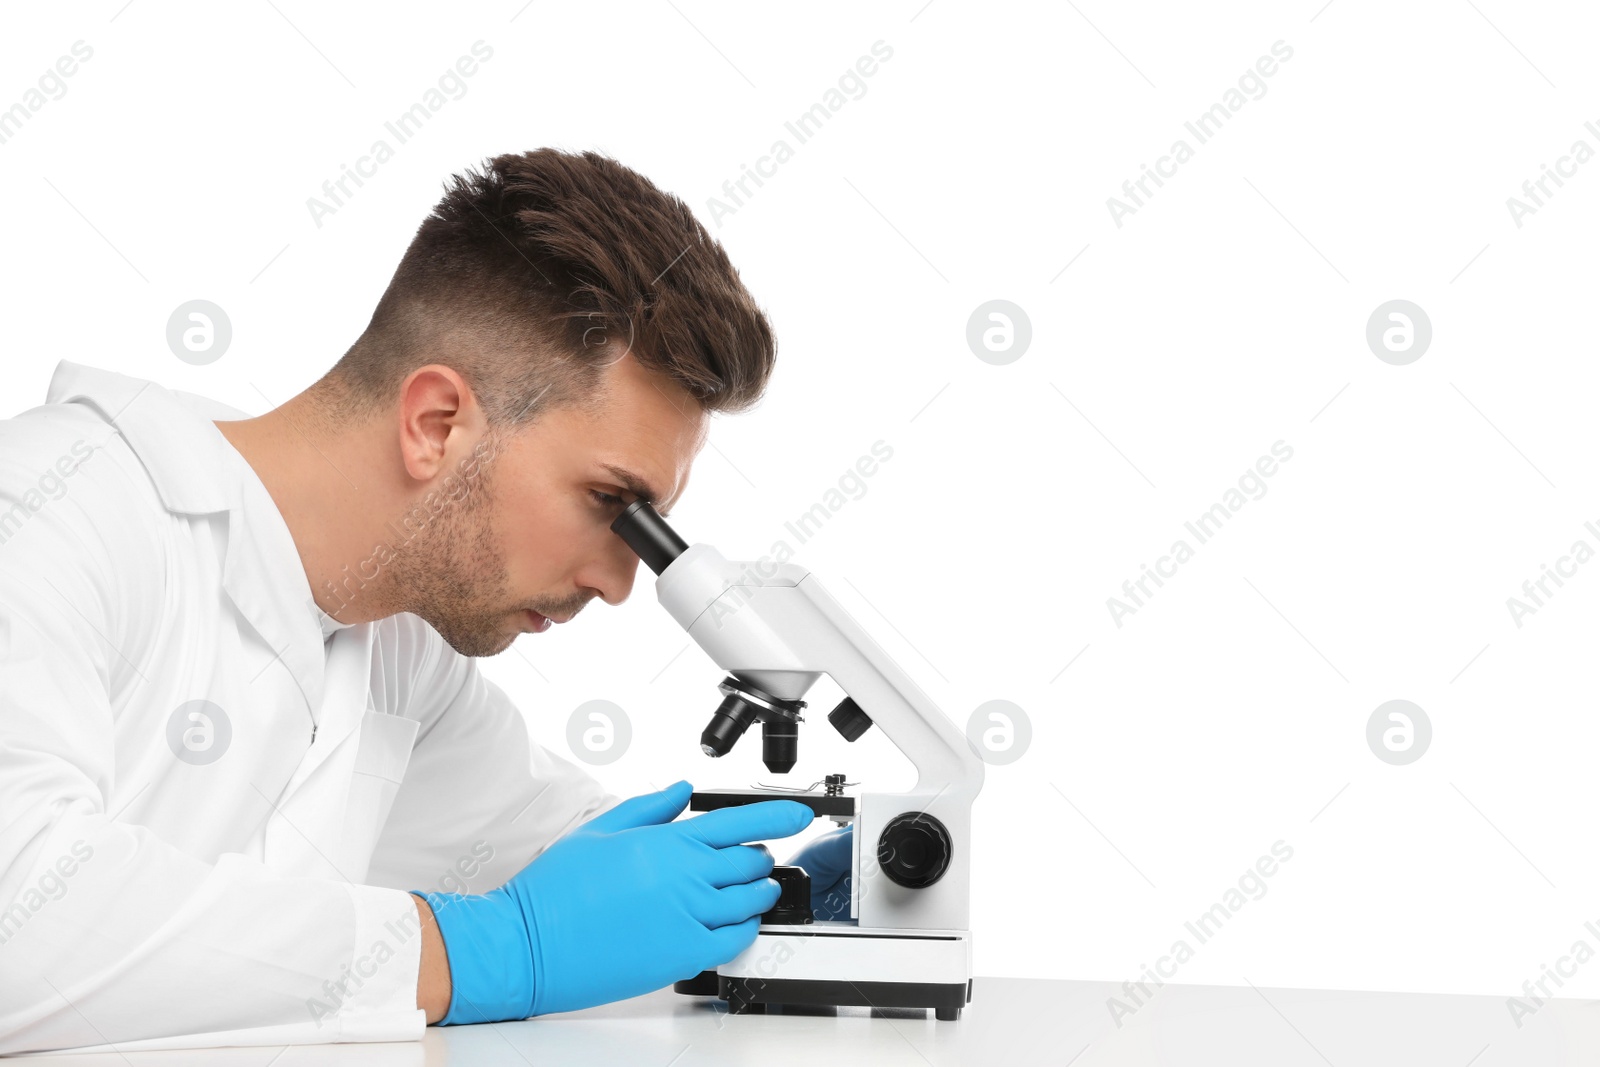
[[733, 717], [780, 744]]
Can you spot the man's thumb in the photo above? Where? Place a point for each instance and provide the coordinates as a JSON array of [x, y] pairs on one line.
[[645, 810]]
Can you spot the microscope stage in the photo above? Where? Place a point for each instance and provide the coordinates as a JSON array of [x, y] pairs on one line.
[[822, 804]]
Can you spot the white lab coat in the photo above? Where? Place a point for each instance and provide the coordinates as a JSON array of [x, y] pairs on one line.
[[151, 900]]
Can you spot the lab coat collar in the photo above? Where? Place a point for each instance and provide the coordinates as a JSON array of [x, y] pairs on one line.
[[179, 451], [197, 471]]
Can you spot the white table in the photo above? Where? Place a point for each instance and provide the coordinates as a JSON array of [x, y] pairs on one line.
[[1011, 1021]]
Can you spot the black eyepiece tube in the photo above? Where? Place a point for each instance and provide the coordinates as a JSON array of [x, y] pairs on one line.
[[648, 535]]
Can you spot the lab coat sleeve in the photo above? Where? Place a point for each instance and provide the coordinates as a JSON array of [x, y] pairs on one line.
[[108, 934], [480, 798]]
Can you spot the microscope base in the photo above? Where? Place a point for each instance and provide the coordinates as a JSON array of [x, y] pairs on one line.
[[750, 995], [834, 964]]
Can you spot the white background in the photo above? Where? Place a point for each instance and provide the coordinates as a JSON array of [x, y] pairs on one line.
[[1227, 314]]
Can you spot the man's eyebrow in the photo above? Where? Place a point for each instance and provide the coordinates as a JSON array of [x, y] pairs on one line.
[[633, 484]]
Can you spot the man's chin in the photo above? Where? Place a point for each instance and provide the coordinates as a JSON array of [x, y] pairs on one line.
[[475, 641], [483, 648]]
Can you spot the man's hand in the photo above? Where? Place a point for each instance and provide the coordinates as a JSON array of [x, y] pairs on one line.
[[826, 859], [626, 903]]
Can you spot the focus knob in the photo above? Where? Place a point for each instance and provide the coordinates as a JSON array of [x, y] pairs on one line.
[[914, 850], [849, 719]]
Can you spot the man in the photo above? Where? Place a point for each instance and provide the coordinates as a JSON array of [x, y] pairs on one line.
[[239, 714]]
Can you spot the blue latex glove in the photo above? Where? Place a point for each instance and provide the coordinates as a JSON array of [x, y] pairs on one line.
[[826, 859], [624, 904]]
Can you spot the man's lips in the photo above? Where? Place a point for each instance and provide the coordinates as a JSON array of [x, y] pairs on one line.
[[538, 624]]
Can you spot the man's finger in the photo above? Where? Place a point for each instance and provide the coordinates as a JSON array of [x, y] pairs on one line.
[[737, 863], [761, 821], [736, 903], [645, 810]]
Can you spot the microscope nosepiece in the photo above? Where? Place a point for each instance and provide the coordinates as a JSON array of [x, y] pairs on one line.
[[743, 704]]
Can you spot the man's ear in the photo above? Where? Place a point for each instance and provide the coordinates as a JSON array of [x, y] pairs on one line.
[[438, 414]]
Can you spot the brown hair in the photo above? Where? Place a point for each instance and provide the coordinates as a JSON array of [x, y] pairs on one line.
[[530, 277]]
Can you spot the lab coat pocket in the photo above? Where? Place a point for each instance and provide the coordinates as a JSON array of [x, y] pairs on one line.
[[381, 759]]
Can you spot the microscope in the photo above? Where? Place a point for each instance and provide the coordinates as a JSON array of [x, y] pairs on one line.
[[775, 630]]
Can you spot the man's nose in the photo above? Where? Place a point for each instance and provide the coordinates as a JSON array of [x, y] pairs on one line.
[[613, 572]]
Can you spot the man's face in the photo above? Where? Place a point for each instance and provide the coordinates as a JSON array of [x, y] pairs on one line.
[[533, 530]]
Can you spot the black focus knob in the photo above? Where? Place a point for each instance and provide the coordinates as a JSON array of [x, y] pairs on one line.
[[914, 850], [794, 897], [849, 719]]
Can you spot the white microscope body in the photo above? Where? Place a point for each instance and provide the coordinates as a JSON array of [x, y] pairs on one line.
[[776, 630]]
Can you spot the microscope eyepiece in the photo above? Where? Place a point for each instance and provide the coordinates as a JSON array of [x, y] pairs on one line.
[[648, 535]]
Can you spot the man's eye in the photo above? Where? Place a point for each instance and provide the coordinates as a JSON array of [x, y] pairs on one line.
[[605, 498]]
